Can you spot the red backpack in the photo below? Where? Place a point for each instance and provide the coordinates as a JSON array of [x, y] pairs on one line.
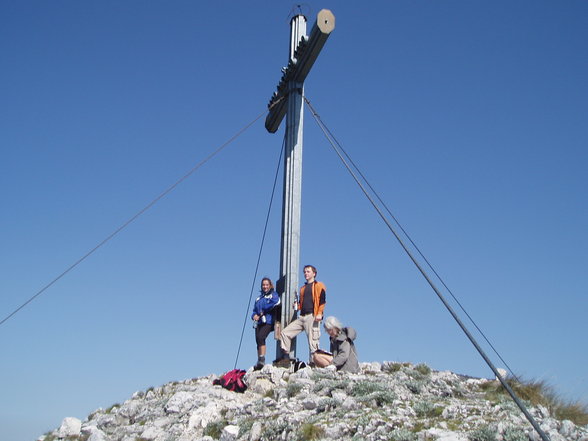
[[233, 381]]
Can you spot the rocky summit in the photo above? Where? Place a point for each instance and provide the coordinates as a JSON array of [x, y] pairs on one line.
[[385, 401]]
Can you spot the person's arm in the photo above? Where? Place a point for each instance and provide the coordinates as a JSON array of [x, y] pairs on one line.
[[322, 303], [256, 312]]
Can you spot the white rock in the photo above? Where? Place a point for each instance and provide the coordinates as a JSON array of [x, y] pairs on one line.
[[70, 426], [255, 434], [261, 386], [98, 435], [445, 435], [151, 433], [372, 367], [554, 435], [202, 416], [502, 373], [180, 402], [309, 403], [567, 429], [230, 433]]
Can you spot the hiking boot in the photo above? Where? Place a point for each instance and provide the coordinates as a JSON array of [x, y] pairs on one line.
[[258, 366]]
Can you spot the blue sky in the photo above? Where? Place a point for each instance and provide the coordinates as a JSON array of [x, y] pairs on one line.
[[468, 118]]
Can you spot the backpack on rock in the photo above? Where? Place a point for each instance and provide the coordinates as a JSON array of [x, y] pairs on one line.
[[233, 381]]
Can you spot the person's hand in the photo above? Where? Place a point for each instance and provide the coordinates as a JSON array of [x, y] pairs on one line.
[[318, 318], [256, 317]]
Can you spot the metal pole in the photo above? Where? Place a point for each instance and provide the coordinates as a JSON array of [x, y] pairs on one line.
[[292, 197]]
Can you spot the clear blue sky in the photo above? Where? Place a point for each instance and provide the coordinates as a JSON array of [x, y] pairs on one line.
[[469, 118]]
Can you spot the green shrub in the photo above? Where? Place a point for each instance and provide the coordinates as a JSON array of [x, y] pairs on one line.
[[483, 434], [329, 385], [364, 388], [392, 367], [245, 425], [423, 369], [309, 431], [514, 434], [327, 404], [427, 409], [414, 386], [293, 389], [215, 428], [402, 435], [274, 430], [381, 397]]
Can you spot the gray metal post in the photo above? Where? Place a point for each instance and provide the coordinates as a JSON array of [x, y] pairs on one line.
[[288, 100], [292, 197]]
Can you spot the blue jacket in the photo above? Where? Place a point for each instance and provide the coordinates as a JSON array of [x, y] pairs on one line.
[[264, 305]]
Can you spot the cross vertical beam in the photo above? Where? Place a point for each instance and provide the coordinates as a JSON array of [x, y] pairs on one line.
[[288, 100], [292, 197]]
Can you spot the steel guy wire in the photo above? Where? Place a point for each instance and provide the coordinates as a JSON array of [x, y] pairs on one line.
[[502, 380], [269, 209], [429, 264], [139, 213]]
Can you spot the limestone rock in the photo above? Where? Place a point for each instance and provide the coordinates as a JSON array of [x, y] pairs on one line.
[[388, 400], [69, 427]]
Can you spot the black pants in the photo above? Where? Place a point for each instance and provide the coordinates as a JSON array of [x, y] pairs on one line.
[[261, 333]]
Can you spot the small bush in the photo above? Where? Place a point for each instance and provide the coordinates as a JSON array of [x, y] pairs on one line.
[[322, 374], [514, 434], [327, 404], [245, 425], [328, 385], [380, 397], [392, 367], [414, 386], [293, 389], [274, 430], [364, 388], [402, 435], [423, 369], [215, 429], [427, 409], [483, 434], [311, 431]]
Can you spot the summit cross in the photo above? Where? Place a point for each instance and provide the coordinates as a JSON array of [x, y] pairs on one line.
[[288, 101]]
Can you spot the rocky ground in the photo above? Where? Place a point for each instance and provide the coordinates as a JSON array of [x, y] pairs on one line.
[[386, 401]]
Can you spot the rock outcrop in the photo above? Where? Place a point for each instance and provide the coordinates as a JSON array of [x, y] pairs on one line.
[[388, 401]]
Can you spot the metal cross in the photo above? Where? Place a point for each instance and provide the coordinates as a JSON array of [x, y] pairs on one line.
[[288, 100]]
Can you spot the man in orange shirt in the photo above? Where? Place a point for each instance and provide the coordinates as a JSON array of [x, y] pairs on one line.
[[311, 306]]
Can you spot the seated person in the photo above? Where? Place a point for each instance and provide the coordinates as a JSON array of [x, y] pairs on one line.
[[343, 353]]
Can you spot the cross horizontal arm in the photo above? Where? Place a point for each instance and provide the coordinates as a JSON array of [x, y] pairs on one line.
[[298, 68]]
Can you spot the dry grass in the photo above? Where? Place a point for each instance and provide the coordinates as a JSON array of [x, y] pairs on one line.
[[539, 392]]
